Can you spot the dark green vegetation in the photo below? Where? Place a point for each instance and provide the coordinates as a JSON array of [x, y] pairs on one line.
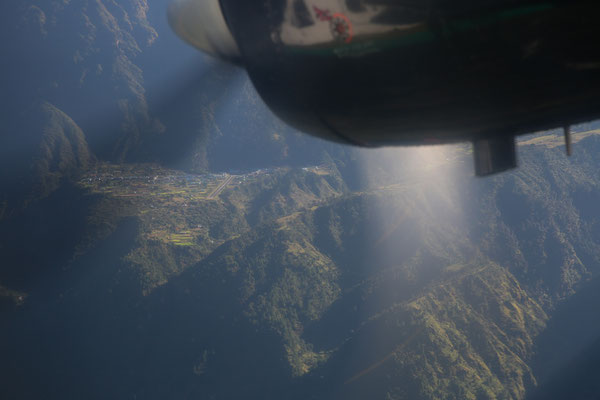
[[184, 217], [290, 285], [171, 245]]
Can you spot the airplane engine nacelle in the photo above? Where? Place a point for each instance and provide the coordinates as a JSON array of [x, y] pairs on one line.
[[411, 72]]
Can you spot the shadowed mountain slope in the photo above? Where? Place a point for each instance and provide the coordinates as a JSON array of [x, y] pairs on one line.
[[424, 288]]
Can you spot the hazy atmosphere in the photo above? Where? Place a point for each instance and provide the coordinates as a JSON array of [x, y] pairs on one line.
[[164, 236]]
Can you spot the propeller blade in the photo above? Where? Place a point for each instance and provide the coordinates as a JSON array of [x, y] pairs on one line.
[[180, 105]]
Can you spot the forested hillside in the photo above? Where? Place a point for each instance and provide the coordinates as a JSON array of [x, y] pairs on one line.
[[435, 287]]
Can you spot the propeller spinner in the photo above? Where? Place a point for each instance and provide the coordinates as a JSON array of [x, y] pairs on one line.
[[411, 72]]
